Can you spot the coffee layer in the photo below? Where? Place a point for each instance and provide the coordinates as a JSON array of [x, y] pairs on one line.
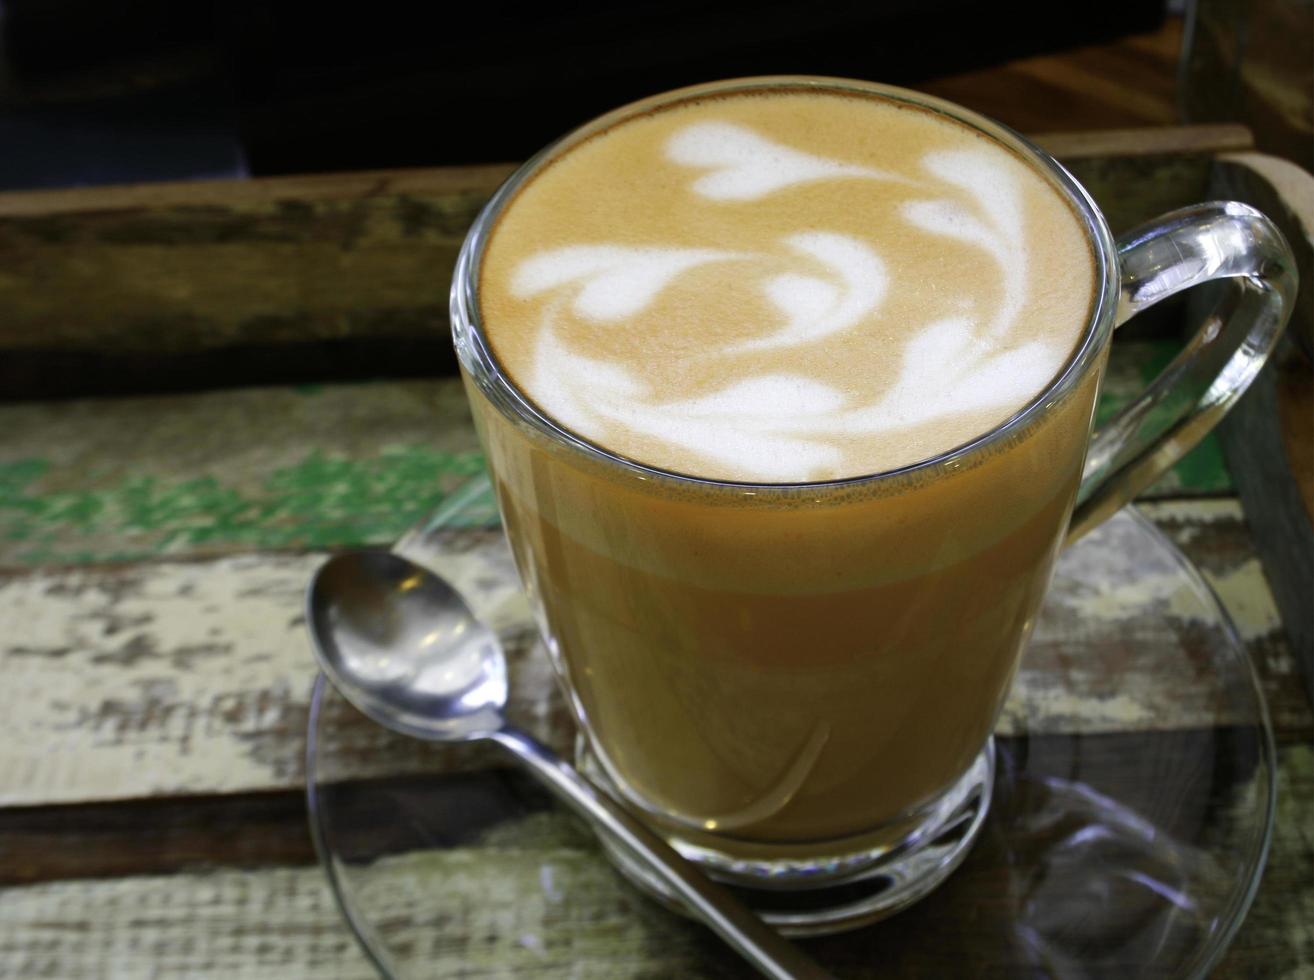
[[787, 287]]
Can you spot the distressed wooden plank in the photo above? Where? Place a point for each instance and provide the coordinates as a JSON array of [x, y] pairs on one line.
[[1076, 676], [1147, 141], [315, 467], [1269, 436], [1225, 553], [282, 260], [205, 474], [1295, 398], [528, 894], [1283, 527], [184, 286], [193, 677], [1132, 190], [108, 840], [1277, 938], [211, 197], [108, 289], [232, 924], [189, 677]]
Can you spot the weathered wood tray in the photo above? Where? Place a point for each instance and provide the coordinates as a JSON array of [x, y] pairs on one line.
[[191, 425]]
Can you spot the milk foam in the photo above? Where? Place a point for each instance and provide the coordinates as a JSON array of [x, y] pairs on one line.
[[737, 400], [815, 307], [616, 281], [745, 166]]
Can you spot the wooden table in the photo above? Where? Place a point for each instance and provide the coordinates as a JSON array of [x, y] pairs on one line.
[[154, 550]]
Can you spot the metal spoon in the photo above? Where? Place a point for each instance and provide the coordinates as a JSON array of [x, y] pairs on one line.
[[401, 645]]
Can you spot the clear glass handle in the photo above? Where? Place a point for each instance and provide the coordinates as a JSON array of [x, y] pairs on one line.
[[1207, 242]]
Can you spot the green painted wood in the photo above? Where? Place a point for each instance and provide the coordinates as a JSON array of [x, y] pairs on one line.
[[1132, 366], [205, 474], [320, 466]]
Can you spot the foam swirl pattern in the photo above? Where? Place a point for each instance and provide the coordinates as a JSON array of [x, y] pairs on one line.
[[697, 291]]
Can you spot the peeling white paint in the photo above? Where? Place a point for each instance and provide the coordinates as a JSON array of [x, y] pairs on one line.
[[1033, 707], [176, 677], [1115, 602], [1244, 592], [1193, 512], [160, 678]]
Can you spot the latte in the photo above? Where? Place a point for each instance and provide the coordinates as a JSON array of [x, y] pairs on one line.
[[797, 283], [793, 287]]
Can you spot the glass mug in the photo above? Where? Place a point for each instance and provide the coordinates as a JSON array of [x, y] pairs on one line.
[[797, 683]]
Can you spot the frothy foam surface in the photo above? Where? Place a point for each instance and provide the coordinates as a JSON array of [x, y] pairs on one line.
[[785, 287]]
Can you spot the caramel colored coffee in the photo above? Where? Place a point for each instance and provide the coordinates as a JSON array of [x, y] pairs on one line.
[[794, 285], [785, 288]]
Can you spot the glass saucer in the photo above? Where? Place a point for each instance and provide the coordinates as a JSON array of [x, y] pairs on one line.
[[1132, 807]]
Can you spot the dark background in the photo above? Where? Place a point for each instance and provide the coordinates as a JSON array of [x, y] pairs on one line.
[[96, 92]]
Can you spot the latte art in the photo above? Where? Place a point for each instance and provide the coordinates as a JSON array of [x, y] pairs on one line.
[[704, 291]]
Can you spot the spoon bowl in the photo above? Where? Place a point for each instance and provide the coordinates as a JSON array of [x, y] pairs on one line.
[[402, 646]]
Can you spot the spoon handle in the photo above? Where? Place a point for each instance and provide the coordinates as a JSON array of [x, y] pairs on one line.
[[754, 939]]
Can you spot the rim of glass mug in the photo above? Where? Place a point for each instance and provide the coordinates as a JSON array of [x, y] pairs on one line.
[[479, 361]]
